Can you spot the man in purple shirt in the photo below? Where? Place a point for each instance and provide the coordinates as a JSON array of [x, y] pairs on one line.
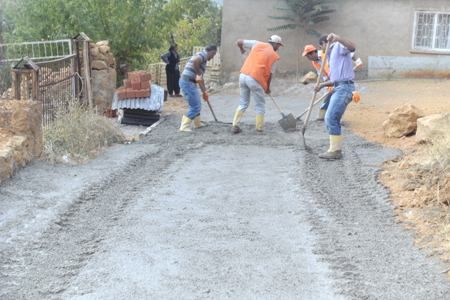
[[341, 78]]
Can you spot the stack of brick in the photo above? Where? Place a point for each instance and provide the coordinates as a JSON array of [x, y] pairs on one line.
[[136, 86]]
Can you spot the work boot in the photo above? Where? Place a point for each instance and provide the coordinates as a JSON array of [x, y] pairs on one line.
[[335, 150], [331, 155], [321, 115], [235, 129], [185, 124], [259, 123], [198, 123], [237, 117]]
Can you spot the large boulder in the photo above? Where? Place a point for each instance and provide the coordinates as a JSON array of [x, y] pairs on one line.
[[99, 65], [308, 78], [433, 127], [402, 121]]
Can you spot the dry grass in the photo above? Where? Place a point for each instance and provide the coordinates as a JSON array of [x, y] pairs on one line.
[[78, 134], [439, 167]]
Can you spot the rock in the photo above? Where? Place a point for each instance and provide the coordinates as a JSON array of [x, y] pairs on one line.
[[434, 127], [111, 61], [402, 121], [308, 78], [102, 43], [99, 65], [20, 134], [104, 49], [231, 85], [94, 52], [103, 87]]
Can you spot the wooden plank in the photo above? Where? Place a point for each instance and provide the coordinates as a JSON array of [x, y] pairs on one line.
[[87, 73]]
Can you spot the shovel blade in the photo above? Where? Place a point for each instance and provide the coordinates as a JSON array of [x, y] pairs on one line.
[[288, 123]]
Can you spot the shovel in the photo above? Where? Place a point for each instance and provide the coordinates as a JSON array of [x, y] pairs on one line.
[[314, 96], [214, 115], [315, 102], [287, 122]]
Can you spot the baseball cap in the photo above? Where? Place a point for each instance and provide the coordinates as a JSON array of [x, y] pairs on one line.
[[308, 48], [275, 39]]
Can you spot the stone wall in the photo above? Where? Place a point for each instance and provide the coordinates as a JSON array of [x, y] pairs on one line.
[[20, 134], [104, 75]]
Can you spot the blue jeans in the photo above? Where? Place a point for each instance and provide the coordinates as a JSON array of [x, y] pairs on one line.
[[192, 96], [326, 102], [341, 97]]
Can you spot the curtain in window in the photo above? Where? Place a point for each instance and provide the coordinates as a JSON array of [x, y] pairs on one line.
[[442, 40], [424, 30]]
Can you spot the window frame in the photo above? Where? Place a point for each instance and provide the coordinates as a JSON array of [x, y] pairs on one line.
[[432, 49]]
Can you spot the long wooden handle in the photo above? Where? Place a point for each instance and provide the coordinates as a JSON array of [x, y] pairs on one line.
[[315, 93], [276, 105], [212, 111], [315, 102]]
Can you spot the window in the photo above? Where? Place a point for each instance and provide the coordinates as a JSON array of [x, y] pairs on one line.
[[432, 31]]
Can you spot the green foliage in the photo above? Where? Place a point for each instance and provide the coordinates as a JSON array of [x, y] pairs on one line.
[[190, 23], [303, 14], [134, 28]]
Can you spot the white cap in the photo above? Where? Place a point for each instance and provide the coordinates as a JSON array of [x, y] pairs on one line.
[[275, 39]]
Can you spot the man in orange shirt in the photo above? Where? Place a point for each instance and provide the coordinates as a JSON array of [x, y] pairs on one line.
[[255, 77]]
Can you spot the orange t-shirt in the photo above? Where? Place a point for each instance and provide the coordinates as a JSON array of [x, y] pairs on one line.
[[258, 64]]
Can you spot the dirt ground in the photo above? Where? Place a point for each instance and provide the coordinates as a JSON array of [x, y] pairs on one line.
[[430, 220], [211, 215], [417, 208]]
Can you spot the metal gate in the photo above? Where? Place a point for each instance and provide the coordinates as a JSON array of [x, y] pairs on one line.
[[12, 53], [63, 75]]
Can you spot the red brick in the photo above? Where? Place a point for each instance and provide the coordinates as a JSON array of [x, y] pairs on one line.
[[127, 83], [145, 85], [133, 76], [142, 93], [121, 93], [131, 93]]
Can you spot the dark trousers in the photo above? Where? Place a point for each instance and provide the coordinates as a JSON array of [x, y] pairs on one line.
[[173, 85]]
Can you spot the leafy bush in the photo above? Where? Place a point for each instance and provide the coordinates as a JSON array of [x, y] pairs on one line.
[[77, 134]]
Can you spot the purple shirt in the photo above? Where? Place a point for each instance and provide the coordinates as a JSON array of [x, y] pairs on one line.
[[340, 61]]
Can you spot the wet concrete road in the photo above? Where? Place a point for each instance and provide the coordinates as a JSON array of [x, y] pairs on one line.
[[212, 216]]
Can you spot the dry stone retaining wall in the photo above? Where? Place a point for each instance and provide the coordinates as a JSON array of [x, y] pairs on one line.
[[20, 134], [104, 75]]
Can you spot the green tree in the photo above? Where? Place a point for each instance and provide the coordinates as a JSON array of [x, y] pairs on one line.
[[303, 14], [129, 25], [191, 23], [133, 27]]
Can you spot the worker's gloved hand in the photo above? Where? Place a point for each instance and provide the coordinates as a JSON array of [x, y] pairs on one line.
[[205, 96], [356, 96]]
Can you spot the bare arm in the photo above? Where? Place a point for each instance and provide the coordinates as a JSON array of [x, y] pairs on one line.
[[347, 43], [268, 84], [240, 44], [201, 83], [197, 63]]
